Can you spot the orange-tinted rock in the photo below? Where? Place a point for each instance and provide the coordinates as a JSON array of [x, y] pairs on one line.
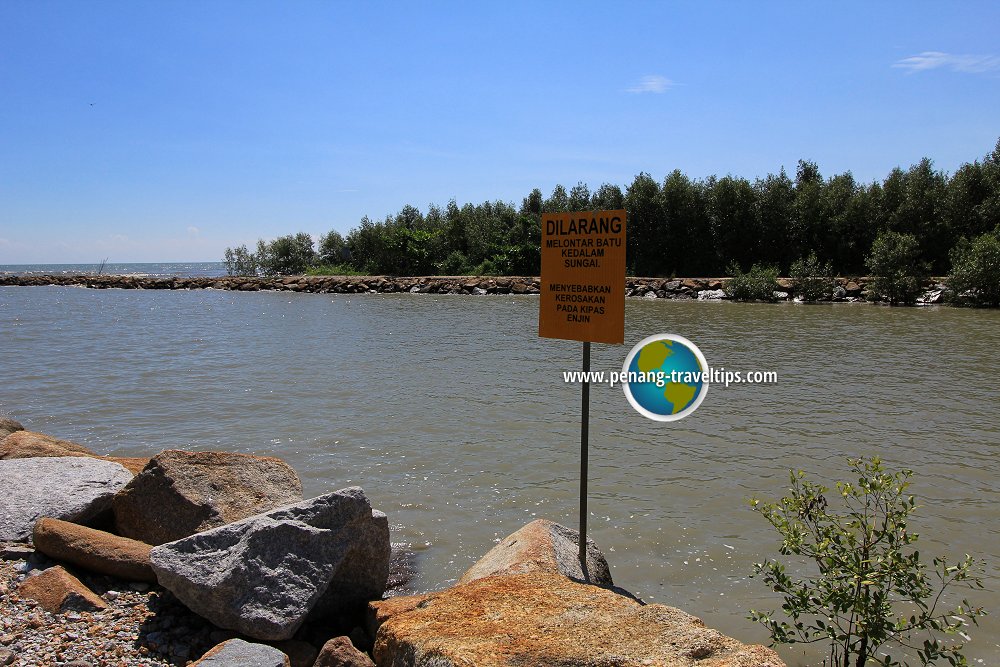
[[23, 444], [134, 464], [548, 619], [94, 550], [58, 591], [182, 493], [340, 652], [28, 444], [381, 611]]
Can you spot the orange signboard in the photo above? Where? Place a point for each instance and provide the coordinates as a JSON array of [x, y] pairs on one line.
[[583, 276]]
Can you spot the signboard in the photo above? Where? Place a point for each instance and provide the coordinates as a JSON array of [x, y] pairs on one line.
[[583, 277]]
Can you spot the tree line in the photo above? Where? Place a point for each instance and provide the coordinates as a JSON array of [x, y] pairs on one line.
[[676, 227]]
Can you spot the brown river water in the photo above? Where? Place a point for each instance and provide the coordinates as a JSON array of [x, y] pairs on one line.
[[454, 417]]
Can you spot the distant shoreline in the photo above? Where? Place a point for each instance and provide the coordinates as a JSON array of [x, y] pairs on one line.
[[703, 289]]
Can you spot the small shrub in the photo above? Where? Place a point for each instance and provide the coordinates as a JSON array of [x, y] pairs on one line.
[[895, 265], [333, 270], [811, 280], [975, 270], [872, 591], [757, 284], [486, 268]]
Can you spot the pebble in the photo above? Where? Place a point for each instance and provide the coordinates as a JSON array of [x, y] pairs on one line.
[[144, 625]]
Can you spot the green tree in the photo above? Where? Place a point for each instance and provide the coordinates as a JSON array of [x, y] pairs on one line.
[[966, 193], [975, 270], [522, 253], [532, 204], [988, 209], [579, 197], [775, 210], [557, 202], [732, 214], [645, 236], [921, 213], [286, 255], [689, 250], [367, 246], [892, 194], [846, 222], [894, 262], [872, 592], [608, 198], [240, 262], [487, 229], [454, 226], [332, 248], [806, 228]]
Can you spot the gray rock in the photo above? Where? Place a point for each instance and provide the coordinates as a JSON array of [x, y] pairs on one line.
[[780, 296], [240, 653], [8, 426], [542, 546], [65, 487], [933, 296], [15, 551], [839, 292], [264, 575], [711, 295]]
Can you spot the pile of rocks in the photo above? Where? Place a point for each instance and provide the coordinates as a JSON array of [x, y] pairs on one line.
[[197, 548], [212, 558]]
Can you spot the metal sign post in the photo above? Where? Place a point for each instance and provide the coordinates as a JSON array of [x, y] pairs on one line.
[[583, 298], [584, 453]]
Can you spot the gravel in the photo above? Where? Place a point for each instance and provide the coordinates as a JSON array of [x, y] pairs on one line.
[[143, 626]]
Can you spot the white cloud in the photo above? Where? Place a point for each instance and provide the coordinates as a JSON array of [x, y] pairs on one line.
[[955, 62], [193, 231], [652, 83]]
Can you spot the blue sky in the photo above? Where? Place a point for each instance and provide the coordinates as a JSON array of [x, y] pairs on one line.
[[167, 131]]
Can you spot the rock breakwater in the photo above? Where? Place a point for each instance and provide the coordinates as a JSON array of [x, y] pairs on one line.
[[705, 289]]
